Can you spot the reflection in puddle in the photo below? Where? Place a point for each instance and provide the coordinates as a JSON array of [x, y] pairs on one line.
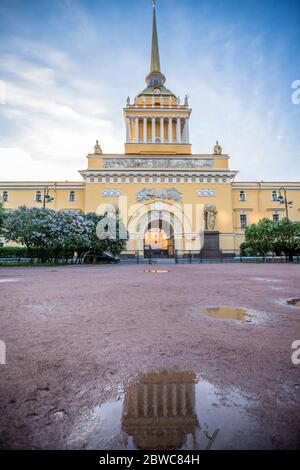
[[157, 271], [169, 410], [295, 302], [227, 313]]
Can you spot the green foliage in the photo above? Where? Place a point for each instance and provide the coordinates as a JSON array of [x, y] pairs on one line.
[[50, 236], [272, 238], [13, 252], [2, 216]]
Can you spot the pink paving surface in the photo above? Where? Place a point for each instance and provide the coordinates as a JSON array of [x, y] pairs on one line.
[[74, 334]]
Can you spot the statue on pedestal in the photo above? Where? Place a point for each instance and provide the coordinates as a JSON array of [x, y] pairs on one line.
[[210, 212]]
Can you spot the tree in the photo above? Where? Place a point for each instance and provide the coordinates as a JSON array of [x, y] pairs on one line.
[[287, 239], [50, 235], [2, 217], [106, 233], [269, 238], [260, 238]]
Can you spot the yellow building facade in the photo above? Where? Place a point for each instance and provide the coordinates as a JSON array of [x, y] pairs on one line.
[[169, 198]]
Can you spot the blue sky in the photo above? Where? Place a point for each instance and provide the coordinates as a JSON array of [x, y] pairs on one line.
[[67, 67]]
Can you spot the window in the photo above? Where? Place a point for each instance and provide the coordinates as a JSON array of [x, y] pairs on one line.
[[276, 217], [243, 219], [72, 196], [242, 196], [274, 196], [38, 196], [5, 196]]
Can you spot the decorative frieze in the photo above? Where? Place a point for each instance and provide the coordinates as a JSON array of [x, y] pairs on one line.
[[206, 193], [111, 192], [145, 163], [147, 194]]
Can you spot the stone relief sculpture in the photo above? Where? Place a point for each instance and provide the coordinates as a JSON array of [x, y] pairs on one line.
[[210, 213], [163, 163], [146, 194]]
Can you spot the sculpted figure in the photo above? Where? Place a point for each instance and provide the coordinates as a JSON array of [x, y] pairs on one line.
[[217, 149], [97, 147], [210, 216]]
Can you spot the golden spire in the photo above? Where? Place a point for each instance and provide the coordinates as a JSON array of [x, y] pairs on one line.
[[155, 62], [155, 78]]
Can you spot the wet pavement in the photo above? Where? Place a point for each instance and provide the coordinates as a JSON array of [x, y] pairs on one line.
[[113, 357], [171, 410]]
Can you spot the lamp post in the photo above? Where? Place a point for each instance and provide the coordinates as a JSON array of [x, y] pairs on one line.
[[283, 200], [46, 197]]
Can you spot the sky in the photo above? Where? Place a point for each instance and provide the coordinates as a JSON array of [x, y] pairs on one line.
[[67, 67]]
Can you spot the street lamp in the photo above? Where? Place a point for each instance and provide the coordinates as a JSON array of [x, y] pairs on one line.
[[46, 197], [283, 200]]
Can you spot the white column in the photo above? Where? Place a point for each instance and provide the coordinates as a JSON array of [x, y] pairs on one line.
[[162, 134], [145, 130], [127, 129], [170, 130], [153, 101], [136, 131], [178, 131], [153, 130], [161, 101], [186, 131]]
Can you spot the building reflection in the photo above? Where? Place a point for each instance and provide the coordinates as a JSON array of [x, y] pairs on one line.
[[159, 410]]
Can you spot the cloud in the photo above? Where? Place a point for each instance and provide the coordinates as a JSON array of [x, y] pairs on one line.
[[67, 76]]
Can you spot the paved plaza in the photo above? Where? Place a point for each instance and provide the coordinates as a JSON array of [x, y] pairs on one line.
[[77, 338]]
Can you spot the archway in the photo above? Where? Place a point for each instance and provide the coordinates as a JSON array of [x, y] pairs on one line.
[[159, 238]]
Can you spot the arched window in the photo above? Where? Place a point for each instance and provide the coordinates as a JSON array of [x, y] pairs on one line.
[[5, 196], [72, 196], [242, 196], [38, 196], [274, 196]]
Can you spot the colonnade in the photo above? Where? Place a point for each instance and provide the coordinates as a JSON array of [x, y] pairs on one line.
[[133, 133]]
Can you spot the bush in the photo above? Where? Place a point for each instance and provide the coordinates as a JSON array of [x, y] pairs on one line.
[[50, 236]]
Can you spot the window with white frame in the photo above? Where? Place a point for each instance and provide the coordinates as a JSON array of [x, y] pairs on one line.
[[38, 196], [242, 196], [276, 217], [243, 220], [5, 196], [72, 196], [274, 196]]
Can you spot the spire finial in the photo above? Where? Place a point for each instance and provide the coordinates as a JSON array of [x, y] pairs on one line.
[[155, 62], [155, 77]]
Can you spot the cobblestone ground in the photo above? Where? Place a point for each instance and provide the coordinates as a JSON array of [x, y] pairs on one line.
[[75, 335]]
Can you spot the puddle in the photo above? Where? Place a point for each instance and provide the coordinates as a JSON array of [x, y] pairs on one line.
[[170, 410], [227, 313], [8, 280], [157, 271], [294, 302]]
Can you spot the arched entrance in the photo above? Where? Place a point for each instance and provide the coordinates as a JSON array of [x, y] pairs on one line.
[[159, 238]]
